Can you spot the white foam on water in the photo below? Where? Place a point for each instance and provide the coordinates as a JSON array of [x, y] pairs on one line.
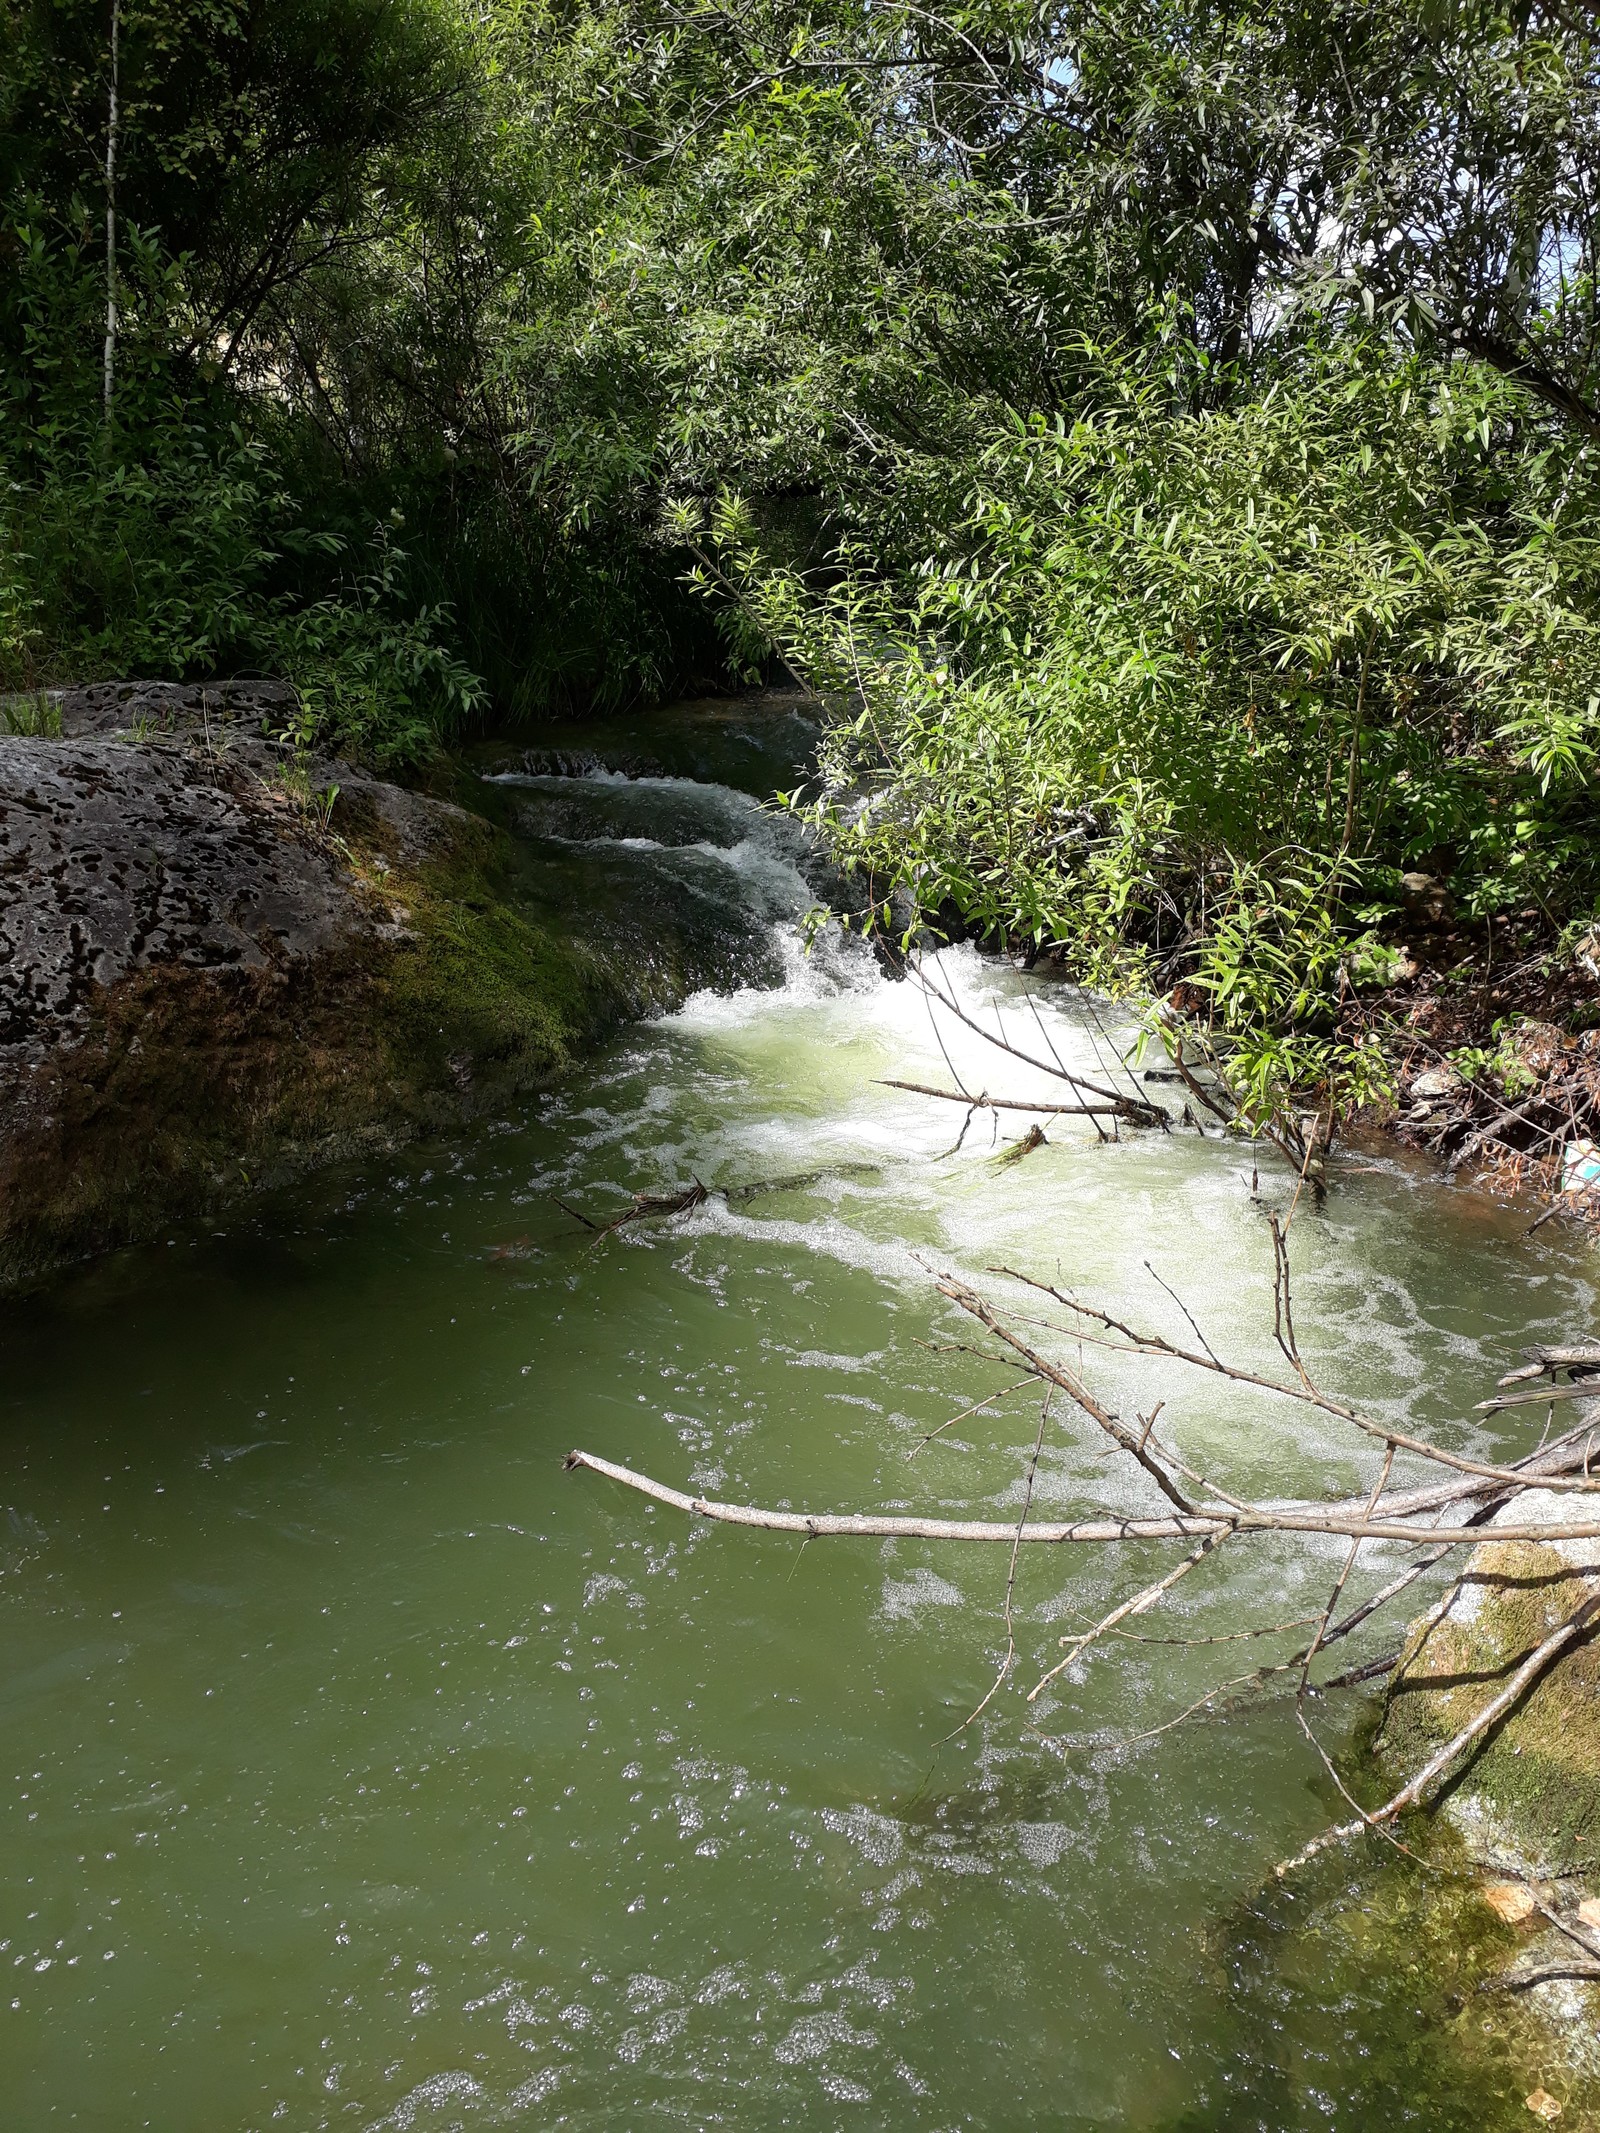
[[788, 1079]]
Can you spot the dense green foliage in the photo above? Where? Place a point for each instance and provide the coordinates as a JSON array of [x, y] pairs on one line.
[[1186, 691], [1167, 432]]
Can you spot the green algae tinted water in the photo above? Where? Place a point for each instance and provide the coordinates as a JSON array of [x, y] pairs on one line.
[[358, 1767]]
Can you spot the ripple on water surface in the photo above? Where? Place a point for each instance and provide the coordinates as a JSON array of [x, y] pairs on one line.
[[362, 1769]]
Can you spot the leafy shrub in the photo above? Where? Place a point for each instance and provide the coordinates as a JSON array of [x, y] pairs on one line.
[[1184, 692], [166, 543]]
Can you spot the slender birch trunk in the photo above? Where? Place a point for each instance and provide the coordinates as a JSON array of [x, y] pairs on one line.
[[111, 212]]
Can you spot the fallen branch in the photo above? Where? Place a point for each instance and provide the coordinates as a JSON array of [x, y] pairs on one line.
[[825, 1525], [1073, 1386], [1251, 1518], [645, 1205], [1152, 1344], [1136, 1606], [798, 1181], [1032, 1139], [1495, 1129], [1520, 1980], [1435, 1519], [1582, 1389], [684, 1198], [1371, 1670], [1585, 1357], [1282, 1132], [1432, 1773], [1116, 1108], [1133, 1108]]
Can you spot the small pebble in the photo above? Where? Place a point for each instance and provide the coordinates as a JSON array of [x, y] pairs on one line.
[[1512, 1902]]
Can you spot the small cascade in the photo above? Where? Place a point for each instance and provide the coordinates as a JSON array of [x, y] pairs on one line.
[[689, 886]]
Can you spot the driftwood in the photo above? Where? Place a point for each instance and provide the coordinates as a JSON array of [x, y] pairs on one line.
[[684, 1198], [798, 1181], [1496, 1129], [1448, 1511], [1541, 1360], [1582, 1389], [645, 1204], [1533, 1971], [1151, 1344], [1014, 1153], [884, 1525], [1525, 1139]]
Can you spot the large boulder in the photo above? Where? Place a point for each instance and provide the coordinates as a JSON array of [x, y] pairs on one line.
[[214, 968]]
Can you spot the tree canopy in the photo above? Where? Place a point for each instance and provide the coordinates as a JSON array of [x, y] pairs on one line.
[[1167, 431]]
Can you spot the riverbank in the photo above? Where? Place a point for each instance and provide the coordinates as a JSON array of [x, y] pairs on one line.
[[1492, 1029], [223, 963]]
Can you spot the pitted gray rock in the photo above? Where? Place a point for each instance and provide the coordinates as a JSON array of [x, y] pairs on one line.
[[223, 963], [154, 710], [116, 857]]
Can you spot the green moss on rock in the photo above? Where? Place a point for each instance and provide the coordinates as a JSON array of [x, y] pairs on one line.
[[440, 998], [483, 997], [1390, 1968], [1537, 1775]]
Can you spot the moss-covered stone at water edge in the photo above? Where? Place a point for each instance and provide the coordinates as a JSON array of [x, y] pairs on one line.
[[1537, 1774], [207, 984]]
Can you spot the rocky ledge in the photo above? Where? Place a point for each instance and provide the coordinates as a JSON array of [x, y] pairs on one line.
[[221, 963], [1524, 1809]]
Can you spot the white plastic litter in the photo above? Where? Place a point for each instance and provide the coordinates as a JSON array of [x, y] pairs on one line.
[[1580, 1166]]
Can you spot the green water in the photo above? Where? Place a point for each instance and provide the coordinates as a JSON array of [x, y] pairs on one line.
[[358, 1767]]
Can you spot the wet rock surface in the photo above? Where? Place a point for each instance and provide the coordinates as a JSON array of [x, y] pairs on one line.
[[202, 985], [115, 858], [189, 847], [223, 963], [1536, 1781], [1526, 1807], [173, 710]]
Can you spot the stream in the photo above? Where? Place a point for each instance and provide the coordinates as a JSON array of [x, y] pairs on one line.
[[359, 1768]]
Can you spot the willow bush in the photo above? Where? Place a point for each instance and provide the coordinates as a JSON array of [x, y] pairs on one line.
[[1185, 692]]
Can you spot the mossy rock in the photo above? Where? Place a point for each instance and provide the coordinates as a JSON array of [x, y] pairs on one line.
[[1370, 1992], [482, 996], [302, 993], [1536, 1778]]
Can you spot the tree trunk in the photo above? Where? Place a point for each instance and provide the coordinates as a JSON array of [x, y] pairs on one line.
[[110, 363]]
